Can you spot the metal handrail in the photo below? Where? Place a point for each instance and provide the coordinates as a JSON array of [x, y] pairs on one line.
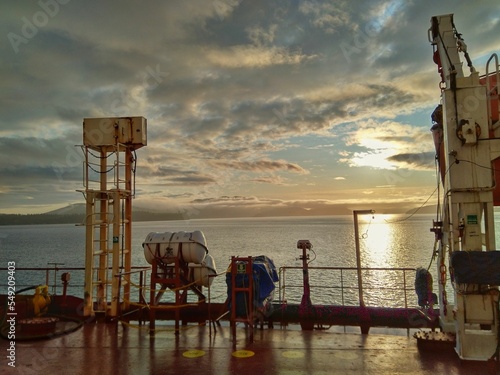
[[344, 277], [56, 269], [493, 89]]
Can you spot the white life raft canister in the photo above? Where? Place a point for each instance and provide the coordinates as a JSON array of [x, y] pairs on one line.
[[203, 271], [165, 246]]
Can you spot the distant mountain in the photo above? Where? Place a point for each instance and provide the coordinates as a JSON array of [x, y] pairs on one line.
[[18, 219], [75, 214], [72, 209]]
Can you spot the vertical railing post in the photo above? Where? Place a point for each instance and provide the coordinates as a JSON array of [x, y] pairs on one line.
[[342, 286], [306, 310], [358, 253], [406, 301]]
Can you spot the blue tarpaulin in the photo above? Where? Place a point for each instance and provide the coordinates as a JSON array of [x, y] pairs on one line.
[[264, 276], [476, 267]]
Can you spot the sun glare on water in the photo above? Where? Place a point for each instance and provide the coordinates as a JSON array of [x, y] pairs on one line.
[[377, 241], [380, 253]]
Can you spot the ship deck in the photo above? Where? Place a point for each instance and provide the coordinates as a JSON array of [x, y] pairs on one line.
[[109, 349]]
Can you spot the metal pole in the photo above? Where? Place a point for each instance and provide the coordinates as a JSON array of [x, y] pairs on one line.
[[306, 311], [358, 253], [306, 296], [128, 224], [103, 196]]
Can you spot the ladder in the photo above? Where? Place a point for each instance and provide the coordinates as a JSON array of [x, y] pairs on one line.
[[242, 293], [108, 192], [109, 146]]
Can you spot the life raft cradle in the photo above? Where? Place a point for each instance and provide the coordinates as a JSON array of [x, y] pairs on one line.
[[172, 274]]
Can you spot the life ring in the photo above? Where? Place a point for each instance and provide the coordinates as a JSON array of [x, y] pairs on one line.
[[423, 288]]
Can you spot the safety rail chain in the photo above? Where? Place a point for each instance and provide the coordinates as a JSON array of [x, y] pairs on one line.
[[345, 282]]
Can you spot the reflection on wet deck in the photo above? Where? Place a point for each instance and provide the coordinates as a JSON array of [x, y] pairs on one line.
[[110, 349]]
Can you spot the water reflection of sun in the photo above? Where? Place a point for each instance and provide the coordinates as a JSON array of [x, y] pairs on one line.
[[377, 241]]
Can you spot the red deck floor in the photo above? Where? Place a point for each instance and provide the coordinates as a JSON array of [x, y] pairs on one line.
[[110, 349]]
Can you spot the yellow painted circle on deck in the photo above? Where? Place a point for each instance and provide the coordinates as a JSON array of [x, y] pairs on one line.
[[193, 353], [293, 354], [243, 354]]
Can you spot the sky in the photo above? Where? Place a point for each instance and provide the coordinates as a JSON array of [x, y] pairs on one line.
[[253, 107]]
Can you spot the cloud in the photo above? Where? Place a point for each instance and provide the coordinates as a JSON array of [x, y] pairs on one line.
[[420, 161], [168, 176], [253, 57], [389, 145], [264, 165], [238, 94], [327, 16], [274, 180]]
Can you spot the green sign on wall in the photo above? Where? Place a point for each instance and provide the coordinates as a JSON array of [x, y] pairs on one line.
[[472, 219]]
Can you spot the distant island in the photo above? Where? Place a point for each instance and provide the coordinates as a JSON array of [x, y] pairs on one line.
[[75, 214], [18, 219]]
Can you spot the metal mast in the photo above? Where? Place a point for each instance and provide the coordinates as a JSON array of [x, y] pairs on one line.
[[109, 146]]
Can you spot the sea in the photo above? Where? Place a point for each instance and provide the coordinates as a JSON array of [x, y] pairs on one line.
[[385, 241]]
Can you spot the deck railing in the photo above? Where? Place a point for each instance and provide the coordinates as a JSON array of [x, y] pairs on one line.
[[26, 277], [388, 287]]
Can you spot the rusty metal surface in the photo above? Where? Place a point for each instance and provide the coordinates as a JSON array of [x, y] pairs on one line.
[[109, 349]]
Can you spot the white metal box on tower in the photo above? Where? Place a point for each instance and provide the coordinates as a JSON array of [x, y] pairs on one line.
[[110, 131]]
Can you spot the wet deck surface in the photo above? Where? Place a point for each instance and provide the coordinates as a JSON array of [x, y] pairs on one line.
[[109, 349]]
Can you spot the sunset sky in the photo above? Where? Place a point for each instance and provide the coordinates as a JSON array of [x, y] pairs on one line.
[[253, 107]]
